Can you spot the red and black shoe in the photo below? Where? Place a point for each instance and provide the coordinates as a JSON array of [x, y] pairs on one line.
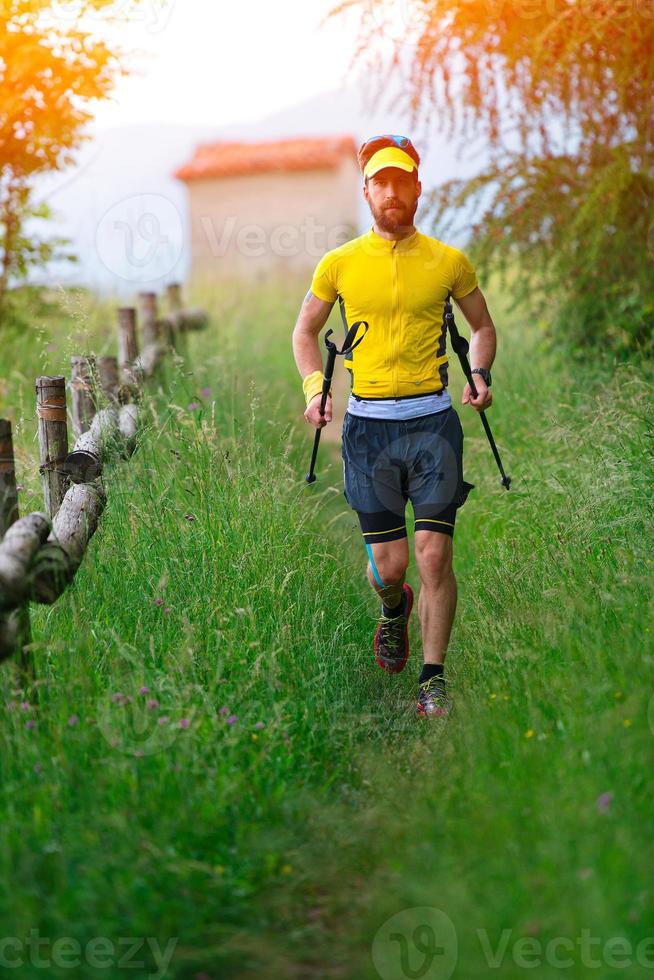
[[392, 636]]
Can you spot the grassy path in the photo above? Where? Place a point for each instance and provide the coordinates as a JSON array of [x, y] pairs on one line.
[[269, 804]]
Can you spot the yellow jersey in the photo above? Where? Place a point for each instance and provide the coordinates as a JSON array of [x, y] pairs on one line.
[[400, 289]]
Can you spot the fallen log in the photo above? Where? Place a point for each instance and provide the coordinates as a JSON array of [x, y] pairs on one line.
[[74, 525], [101, 441], [17, 550], [128, 420], [148, 361]]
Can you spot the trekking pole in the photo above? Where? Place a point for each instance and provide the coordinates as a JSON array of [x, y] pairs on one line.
[[461, 346], [332, 351]]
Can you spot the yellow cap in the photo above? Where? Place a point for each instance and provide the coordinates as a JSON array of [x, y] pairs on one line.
[[389, 156]]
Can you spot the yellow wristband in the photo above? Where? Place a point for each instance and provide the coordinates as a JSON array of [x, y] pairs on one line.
[[312, 385]]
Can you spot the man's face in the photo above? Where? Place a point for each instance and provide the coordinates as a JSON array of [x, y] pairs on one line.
[[392, 195]]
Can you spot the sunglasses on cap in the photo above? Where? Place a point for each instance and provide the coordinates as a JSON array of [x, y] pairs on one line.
[[400, 141]]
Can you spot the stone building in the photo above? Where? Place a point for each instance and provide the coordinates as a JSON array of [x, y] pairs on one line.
[[265, 208]]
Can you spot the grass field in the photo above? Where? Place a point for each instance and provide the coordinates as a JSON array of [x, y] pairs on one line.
[[270, 806]]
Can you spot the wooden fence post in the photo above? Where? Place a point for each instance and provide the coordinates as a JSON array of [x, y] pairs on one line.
[[127, 350], [148, 318], [176, 318], [15, 630], [127, 343], [53, 439], [84, 401], [108, 375], [174, 295], [8, 492]]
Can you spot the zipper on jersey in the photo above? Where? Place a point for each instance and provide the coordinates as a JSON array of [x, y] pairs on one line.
[[396, 337]]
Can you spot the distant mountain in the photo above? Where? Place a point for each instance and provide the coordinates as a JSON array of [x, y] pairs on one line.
[[126, 216]]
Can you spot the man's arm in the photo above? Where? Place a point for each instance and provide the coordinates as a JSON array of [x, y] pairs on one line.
[[482, 347], [483, 343], [314, 314]]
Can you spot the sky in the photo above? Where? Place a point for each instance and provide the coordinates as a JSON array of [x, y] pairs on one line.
[[187, 67]]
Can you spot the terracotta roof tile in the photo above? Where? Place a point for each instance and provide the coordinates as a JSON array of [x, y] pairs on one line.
[[226, 159]]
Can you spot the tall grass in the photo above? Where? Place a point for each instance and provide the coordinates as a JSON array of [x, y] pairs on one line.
[[270, 803]]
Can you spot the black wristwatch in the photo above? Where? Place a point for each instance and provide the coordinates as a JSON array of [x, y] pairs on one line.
[[485, 373]]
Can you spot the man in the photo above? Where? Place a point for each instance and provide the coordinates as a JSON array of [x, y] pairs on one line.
[[402, 437]]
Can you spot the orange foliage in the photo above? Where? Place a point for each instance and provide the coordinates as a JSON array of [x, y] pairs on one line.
[[588, 61], [49, 70], [576, 219]]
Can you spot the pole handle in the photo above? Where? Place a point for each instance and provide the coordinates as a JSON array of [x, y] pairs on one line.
[[332, 351]]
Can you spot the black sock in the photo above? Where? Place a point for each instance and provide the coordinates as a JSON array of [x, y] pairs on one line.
[[431, 670], [396, 610]]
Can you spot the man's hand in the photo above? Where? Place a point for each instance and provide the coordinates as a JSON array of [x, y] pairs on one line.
[[312, 413], [484, 397]]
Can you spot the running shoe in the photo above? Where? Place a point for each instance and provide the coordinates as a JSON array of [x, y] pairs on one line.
[[392, 636], [433, 699]]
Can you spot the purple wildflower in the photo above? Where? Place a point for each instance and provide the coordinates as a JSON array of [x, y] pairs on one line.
[[30, 724], [167, 609], [158, 602], [73, 720], [260, 724], [25, 706], [206, 392], [144, 690], [184, 722], [152, 703], [604, 801], [163, 720], [232, 719], [224, 710], [193, 405]]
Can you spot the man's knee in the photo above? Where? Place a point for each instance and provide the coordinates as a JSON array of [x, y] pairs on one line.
[[433, 552], [390, 562]]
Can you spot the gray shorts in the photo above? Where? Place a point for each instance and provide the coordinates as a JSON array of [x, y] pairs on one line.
[[387, 462]]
